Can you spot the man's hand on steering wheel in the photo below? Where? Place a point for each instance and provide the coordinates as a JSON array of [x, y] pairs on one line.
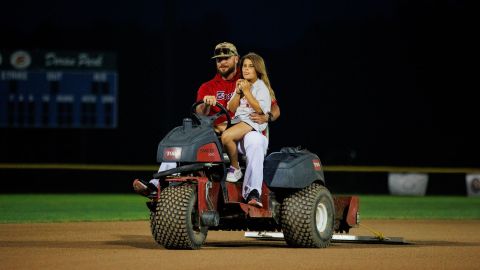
[[213, 117], [210, 100]]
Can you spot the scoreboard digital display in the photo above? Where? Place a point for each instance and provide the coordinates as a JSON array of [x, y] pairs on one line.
[[46, 89]]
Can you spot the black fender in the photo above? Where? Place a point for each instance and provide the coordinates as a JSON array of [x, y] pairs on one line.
[[292, 168]]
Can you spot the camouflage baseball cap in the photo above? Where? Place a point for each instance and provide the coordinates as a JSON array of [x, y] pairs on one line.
[[224, 49]]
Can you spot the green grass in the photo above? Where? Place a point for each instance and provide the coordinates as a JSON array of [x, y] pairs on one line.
[[71, 207], [29, 208], [412, 207]]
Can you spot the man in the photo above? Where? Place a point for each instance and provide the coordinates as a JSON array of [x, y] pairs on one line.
[[253, 146]]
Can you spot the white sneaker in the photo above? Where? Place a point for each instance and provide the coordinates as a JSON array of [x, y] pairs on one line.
[[234, 174]]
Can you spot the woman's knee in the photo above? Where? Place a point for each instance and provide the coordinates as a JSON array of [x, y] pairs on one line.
[[226, 137]]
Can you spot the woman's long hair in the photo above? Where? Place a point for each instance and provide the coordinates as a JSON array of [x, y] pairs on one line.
[[260, 68]]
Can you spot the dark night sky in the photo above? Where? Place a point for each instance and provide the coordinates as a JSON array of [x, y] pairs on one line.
[[369, 82]]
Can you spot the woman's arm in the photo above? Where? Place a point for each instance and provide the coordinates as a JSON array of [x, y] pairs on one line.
[[234, 101], [252, 101]]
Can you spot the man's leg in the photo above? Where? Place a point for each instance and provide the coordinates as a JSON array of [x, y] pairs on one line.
[[144, 188], [254, 146], [164, 167]]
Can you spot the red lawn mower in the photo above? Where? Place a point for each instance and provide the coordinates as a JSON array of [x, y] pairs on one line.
[[194, 197]]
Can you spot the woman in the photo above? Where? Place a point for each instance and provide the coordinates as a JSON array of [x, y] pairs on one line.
[[253, 94]]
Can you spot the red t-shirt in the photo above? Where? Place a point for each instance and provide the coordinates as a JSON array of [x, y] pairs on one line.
[[221, 89]]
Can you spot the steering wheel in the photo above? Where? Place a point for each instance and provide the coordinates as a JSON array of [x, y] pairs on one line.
[[212, 118]]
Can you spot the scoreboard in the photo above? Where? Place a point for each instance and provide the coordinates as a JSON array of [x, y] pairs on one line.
[[50, 89]]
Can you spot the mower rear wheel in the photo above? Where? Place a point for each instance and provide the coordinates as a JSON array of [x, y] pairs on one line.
[[175, 223], [307, 217]]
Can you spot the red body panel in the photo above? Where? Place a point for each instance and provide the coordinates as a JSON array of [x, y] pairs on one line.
[[208, 153], [234, 192], [346, 208], [235, 197], [255, 212]]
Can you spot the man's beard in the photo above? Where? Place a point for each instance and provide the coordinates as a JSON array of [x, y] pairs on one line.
[[226, 73]]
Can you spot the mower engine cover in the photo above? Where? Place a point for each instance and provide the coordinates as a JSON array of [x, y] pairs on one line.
[[190, 143], [292, 168]]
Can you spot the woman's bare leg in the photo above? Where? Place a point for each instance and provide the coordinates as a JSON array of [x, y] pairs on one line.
[[220, 127], [230, 137]]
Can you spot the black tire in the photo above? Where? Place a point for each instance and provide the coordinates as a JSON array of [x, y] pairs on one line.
[[153, 222], [307, 217], [175, 223]]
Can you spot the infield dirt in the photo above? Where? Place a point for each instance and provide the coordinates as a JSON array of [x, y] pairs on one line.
[[434, 244]]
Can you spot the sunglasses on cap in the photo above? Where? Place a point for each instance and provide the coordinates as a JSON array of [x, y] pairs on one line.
[[224, 51]]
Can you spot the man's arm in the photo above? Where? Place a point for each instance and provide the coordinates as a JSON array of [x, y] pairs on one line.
[[275, 112], [263, 118]]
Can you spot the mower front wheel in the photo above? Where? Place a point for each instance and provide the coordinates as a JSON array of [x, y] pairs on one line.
[[175, 223]]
